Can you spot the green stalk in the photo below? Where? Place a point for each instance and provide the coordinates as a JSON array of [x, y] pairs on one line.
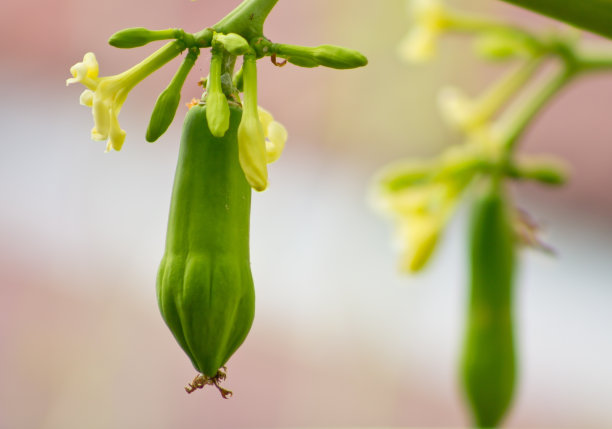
[[529, 111], [153, 62], [593, 61], [247, 19], [592, 15], [496, 97], [472, 24], [249, 68]]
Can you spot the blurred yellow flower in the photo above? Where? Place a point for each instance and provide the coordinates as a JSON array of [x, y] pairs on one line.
[[429, 17], [421, 213], [457, 109], [420, 196]]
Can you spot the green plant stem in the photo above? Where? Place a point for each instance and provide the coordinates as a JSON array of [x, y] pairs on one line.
[[592, 15], [250, 84], [592, 62], [573, 63], [504, 89], [530, 110], [214, 74], [153, 62], [247, 19], [472, 24]]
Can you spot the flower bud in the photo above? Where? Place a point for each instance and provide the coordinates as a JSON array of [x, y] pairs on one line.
[[163, 113], [303, 62], [169, 99], [544, 170], [420, 236], [139, 36], [233, 43], [217, 108], [338, 57], [217, 113], [252, 151], [499, 47], [332, 56], [251, 135]]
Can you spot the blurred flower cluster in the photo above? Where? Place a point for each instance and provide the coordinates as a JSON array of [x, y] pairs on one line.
[[420, 195]]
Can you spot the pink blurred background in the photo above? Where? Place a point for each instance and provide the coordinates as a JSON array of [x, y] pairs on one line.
[[340, 339]]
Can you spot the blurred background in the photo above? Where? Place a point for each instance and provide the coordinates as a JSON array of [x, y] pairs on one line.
[[340, 338]]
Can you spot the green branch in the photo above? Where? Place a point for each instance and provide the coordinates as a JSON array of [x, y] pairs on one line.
[[591, 15], [247, 19], [532, 107]]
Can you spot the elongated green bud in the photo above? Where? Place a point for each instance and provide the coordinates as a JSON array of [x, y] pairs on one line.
[[168, 100], [139, 36], [332, 56], [217, 113], [217, 108], [488, 364], [303, 62], [251, 136], [500, 46], [403, 174], [238, 80], [545, 170], [338, 57], [233, 43]]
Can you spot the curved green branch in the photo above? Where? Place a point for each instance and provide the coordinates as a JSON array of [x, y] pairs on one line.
[[591, 15], [247, 19]]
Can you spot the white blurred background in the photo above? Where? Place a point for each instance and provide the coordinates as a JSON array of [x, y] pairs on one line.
[[340, 337]]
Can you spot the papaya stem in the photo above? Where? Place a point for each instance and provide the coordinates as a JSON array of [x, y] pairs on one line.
[[247, 19]]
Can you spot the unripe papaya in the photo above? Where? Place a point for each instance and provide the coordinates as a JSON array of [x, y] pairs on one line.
[[488, 364], [204, 283]]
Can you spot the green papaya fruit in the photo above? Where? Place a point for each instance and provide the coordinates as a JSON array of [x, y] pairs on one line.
[[488, 362], [204, 283]]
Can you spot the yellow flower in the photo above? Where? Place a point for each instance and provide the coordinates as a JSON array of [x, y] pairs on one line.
[[252, 151], [418, 238], [85, 72], [106, 95], [420, 196], [275, 133], [457, 109], [429, 16], [420, 213]]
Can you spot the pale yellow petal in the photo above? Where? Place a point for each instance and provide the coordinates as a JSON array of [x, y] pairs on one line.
[[252, 152], [116, 134], [85, 72], [86, 98], [277, 136], [456, 108], [101, 113], [419, 45], [265, 118], [421, 235], [97, 136], [78, 72], [427, 12], [92, 65]]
